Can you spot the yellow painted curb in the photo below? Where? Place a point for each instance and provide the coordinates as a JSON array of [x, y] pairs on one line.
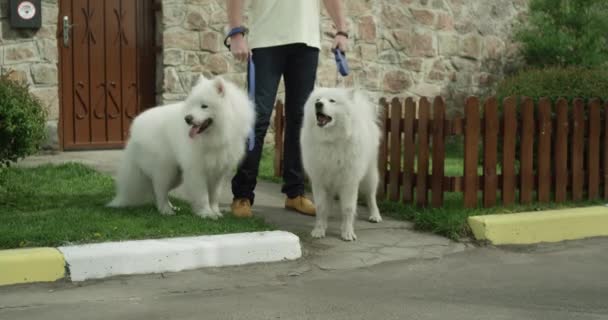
[[31, 265], [541, 226]]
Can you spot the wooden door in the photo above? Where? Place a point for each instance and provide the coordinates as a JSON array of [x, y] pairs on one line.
[[107, 69]]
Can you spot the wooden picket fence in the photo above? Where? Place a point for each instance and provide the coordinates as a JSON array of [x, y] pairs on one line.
[[545, 151]]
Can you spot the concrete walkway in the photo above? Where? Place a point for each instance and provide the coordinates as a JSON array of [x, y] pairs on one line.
[[390, 240], [558, 282]]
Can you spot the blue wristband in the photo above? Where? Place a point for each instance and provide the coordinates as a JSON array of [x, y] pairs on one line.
[[234, 31]]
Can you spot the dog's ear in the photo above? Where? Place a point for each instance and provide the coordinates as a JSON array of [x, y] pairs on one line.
[[220, 86], [201, 78], [197, 81]]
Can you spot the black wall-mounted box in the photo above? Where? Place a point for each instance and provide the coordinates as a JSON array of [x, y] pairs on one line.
[[25, 14]]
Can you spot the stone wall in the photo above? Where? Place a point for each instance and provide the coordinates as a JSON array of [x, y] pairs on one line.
[[31, 56], [192, 40], [414, 48], [451, 48]]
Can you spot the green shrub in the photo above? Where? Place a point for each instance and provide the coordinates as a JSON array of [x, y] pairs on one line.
[[565, 33], [556, 82], [22, 121], [553, 83]]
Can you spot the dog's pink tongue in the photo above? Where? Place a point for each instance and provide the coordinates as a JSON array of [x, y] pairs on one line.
[[193, 131]]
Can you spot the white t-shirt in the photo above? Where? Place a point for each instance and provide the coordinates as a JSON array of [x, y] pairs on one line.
[[280, 22]]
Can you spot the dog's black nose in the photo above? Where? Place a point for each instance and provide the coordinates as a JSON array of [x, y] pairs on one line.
[[189, 118], [319, 106]]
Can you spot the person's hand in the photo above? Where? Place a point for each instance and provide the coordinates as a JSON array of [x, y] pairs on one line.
[[340, 42], [239, 48]]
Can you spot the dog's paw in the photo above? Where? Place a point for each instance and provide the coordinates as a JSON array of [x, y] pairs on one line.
[[216, 210], [375, 218], [174, 208], [167, 211], [208, 214], [349, 235], [318, 233], [115, 203]]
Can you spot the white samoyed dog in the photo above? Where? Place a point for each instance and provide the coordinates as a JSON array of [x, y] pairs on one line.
[[340, 139], [198, 141]]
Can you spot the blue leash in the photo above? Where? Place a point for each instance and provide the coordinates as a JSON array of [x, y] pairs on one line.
[[251, 66]]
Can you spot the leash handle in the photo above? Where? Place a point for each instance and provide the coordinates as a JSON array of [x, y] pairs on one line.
[[251, 68], [341, 62]]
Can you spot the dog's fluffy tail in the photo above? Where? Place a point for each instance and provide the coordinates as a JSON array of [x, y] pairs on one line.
[[132, 186]]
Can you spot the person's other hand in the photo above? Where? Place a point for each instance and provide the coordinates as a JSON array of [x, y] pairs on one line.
[[239, 48], [340, 42]]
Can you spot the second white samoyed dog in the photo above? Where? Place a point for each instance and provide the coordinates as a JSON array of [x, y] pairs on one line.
[[198, 141], [340, 139]]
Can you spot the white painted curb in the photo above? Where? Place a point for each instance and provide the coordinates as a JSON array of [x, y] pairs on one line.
[[95, 261]]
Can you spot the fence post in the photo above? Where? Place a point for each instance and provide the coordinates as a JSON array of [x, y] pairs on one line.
[[508, 150], [423, 152], [471, 152], [395, 150], [544, 150], [490, 142], [578, 136], [605, 146], [561, 151], [527, 151], [438, 152], [593, 164], [409, 150]]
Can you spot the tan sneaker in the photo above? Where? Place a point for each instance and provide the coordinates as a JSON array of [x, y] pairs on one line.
[[301, 204], [241, 208]]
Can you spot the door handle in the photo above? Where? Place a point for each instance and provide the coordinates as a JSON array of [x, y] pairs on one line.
[[66, 31]]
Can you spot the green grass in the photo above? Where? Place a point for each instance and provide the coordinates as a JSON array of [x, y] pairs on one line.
[[454, 158], [267, 166], [451, 219], [60, 205]]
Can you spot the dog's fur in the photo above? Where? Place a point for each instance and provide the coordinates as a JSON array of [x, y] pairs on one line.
[[166, 148], [340, 155]]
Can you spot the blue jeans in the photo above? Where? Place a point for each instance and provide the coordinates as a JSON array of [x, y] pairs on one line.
[[297, 63]]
